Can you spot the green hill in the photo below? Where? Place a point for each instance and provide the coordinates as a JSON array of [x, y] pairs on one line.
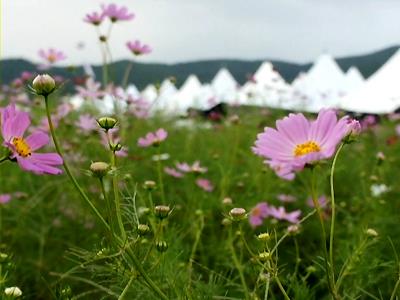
[[145, 73]]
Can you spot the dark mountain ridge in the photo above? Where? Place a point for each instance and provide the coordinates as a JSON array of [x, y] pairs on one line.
[[146, 73]]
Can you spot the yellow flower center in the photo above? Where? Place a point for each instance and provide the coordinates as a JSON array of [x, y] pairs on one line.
[[256, 212], [51, 58], [306, 148], [21, 147]]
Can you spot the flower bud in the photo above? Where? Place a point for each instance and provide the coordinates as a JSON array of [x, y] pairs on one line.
[[162, 211], [226, 222], [353, 130], [227, 201], [263, 237], [162, 246], [143, 229], [3, 257], [13, 291], [143, 211], [99, 169], [149, 185], [115, 147], [264, 256], [371, 232], [311, 269], [44, 85], [107, 123], [237, 214]]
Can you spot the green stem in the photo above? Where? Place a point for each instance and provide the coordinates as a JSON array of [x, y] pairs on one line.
[[332, 231], [281, 288], [108, 204], [66, 168], [3, 159], [116, 195], [238, 265], [127, 74], [160, 178], [314, 197], [126, 289], [392, 297], [194, 248]]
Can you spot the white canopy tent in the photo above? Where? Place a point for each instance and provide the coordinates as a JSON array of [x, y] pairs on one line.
[[381, 91], [224, 87], [322, 86], [267, 88]]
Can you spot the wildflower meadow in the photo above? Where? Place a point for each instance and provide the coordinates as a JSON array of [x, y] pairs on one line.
[[113, 196]]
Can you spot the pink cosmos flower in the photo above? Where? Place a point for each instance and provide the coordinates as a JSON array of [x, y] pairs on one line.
[[173, 172], [298, 141], [286, 198], [138, 107], [322, 201], [153, 139], [92, 90], [258, 214], [14, 123], [279, 213], [137, 48], [369, 122], [86, 123], [51, 56], [205, 184], [94, 18], [5, 198], [195, 168], [115, 13]]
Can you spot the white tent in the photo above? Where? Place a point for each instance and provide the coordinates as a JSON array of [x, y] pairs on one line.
[[354, 80], [267, 88], [224, 86], [187, 94], [164, 102], [322, 86], [381, 91]]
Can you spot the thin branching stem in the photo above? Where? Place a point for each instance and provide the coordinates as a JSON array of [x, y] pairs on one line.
[[66, 168]]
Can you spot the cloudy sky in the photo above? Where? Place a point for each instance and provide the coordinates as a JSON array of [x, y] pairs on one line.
[[186, 30]]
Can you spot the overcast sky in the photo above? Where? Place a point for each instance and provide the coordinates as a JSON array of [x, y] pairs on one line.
[[186, 30]]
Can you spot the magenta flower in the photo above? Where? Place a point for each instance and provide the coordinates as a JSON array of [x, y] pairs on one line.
[[297, 141], [205, 184], [137, 48], [14, 123], [153, 139], [86, 123], [5, 198], [115, 13], [258, 214], [281, 214], [52, 56], [94, 18], [173, 172]]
